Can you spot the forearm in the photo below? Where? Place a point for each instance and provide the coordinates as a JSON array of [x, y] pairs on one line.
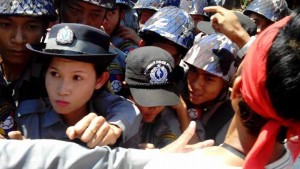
[[60, 154]]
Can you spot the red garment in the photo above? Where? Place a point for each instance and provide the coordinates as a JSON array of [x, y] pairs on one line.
[[256, 96]]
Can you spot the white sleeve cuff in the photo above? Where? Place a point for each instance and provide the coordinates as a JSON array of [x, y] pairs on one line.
[[242, 52]]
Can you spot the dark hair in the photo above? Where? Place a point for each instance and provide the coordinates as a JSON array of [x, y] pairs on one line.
[[151, 37], [282, 81], [283, 70]]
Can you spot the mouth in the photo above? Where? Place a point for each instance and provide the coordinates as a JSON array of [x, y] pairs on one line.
[[62, 103], [194, 94], [19, 52]]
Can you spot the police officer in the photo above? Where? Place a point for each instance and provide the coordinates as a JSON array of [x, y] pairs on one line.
[[21, 22], [264, 13]]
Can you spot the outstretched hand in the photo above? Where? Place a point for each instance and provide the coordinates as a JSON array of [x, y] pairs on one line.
[[227, 23], [95, 131], [181, 144]]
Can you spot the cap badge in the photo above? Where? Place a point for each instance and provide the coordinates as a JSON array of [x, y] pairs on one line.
[[159, 74], [65, 36], [193, 113]]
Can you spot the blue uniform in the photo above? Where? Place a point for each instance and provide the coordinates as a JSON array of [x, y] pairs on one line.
[[37, 119], [117, 66], [212, 122], [115, 109]]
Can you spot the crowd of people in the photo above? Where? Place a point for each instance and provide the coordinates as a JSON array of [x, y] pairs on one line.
[[149, 84]]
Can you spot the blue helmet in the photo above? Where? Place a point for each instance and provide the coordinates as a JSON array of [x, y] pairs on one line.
[[215, 54], [273, 10], [147, 4], [194, 7], [108, 4], [172, 23], [35, 8]]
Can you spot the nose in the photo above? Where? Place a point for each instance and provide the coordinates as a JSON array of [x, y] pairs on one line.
[[105, 21], [198, 83], [64, 88], [19, 36]]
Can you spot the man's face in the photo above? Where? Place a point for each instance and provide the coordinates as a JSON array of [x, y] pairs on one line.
[[82, 12], [203, 86], [173, 51], [144, 15], [15, 32], [260, 21]]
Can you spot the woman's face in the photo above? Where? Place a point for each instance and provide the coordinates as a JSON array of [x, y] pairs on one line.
[[15, 32], [70, 85], [203, 86]]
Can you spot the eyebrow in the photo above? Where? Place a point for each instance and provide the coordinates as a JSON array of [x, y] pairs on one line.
[[76, 71], [205, 73], [30, 19], [97, 9]]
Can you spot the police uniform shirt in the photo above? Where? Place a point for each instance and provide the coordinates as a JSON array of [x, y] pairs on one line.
[[36, 119]]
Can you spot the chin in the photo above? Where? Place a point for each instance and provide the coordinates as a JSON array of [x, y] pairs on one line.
[[196, 102], [148, 120]]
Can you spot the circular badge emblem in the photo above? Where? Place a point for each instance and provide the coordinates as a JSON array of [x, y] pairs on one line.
[[116, 85], [193, 113], [65, 36], [8, 123], [158, 72]]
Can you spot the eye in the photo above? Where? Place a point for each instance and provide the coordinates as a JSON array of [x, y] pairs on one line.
[[97, 16], [77, 78], [209, 78], [34, 27], [109, 13], [74, 10], [54, 74], [5, 25]]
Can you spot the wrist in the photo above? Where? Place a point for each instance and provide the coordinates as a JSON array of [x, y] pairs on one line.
[[241, 37]]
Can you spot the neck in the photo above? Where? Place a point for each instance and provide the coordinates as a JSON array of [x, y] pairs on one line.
[[13, 72], [239, 137], [72, 118]]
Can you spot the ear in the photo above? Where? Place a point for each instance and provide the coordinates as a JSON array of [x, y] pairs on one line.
[[101, 80], [236, 89], [142, 43]]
